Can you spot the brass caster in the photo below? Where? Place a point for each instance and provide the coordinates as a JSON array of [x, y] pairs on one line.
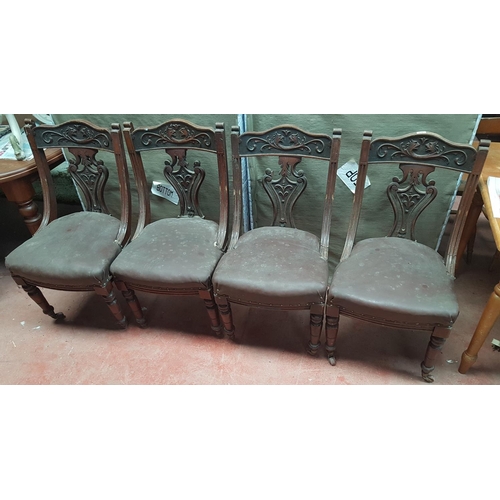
[[218, 332], [426, 374], [332, 360], [312, 349], [230, 335], [123, 324], [142, 323], [58, 316]]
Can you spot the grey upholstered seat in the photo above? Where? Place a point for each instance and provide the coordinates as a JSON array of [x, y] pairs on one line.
[[396, 279], [74, 251], [171, 254], [273, 266]]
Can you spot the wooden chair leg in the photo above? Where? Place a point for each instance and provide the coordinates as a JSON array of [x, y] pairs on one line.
[[490, 315], [133, 303], [332, 329], [470, 226], [438, 338], [316, 325], [470, 246], [37, 296], [213, 313], [494, 261], [107, 292], [226, 316]]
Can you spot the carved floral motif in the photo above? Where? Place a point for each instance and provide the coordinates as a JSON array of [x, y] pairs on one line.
[[287, 141], [422, 148], [177, 134], [75, 134]]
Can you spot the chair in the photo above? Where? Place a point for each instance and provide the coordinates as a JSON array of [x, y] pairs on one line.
[[75, 252], [175, 256], [395, 281], [278, 267]]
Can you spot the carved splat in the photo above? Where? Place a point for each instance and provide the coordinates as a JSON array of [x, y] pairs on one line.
[[90, 175], [186, 182], [285, 190], [410, 195]]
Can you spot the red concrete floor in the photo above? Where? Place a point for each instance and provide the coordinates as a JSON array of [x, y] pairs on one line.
[[178, 347]]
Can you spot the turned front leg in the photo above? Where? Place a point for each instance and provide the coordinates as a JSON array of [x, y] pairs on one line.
[[226, 316], [435, 346], [213, 313], [38, 297], [133, 302], [332, 329], [488, 319], [107, 292], [316, 325]]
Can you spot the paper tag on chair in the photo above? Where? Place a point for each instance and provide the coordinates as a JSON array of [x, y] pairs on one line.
[[165, 190], [349, 174]]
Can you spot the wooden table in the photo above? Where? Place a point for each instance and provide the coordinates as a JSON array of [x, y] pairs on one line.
[[16, 181], [482, 202]]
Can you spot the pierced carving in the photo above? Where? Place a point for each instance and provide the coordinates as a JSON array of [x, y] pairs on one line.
[[424, 148], [174, 134], [186, 182], [409, 197], [286, 140], [72, 135], [90, 175], [285, 190]]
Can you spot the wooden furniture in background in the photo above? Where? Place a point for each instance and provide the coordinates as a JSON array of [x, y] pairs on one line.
[[16, 182], [492, 309]]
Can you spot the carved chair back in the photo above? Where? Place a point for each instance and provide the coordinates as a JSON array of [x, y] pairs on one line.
[[417, 156], [176, 138], [83, 141], [284, 186]]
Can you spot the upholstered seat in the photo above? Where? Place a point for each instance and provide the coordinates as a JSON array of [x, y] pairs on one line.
[[397, 280], [275, 266], [68, 252], [158, 257]]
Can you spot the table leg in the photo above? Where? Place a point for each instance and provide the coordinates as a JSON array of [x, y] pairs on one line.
[[21, 192], [490, 315]]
